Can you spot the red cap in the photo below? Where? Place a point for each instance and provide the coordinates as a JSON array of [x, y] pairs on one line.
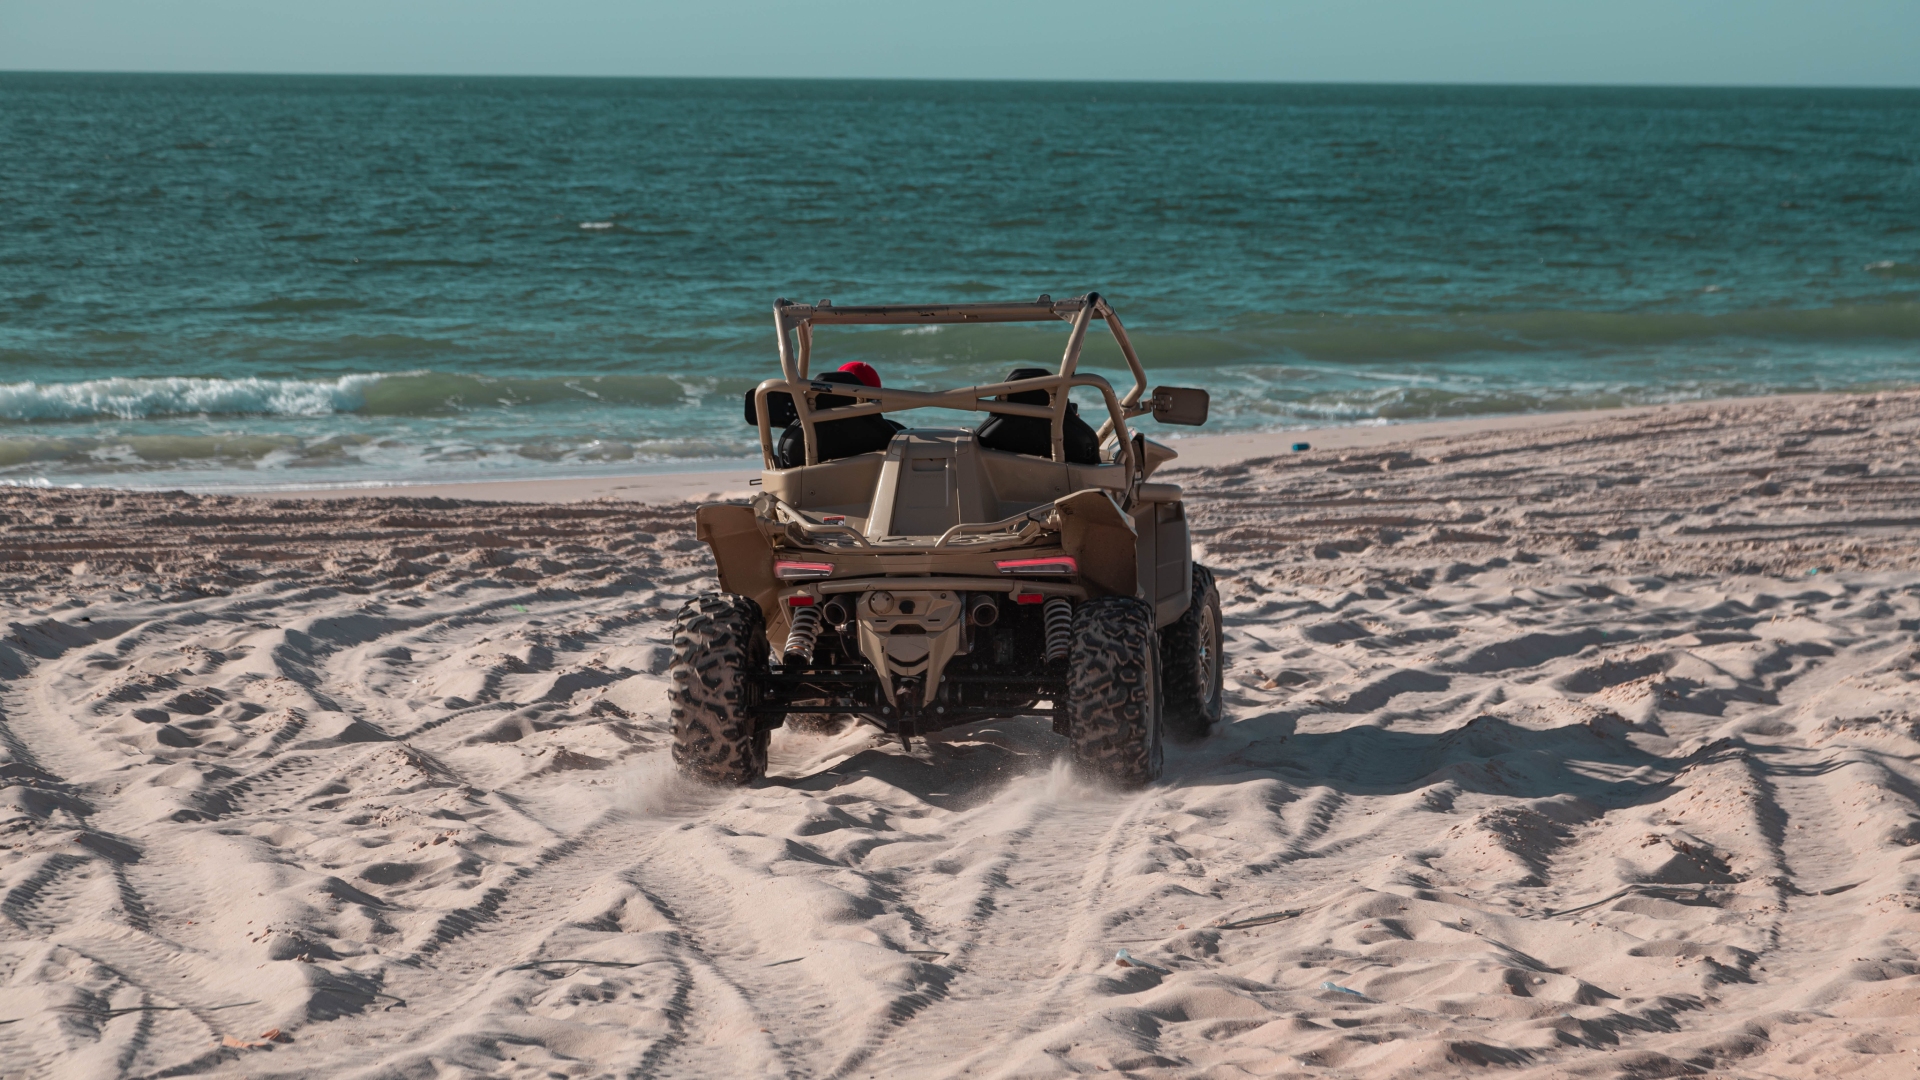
[[863, 371]]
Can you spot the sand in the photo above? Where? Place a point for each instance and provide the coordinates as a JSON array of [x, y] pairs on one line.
[[1586, 749], [720, 480]]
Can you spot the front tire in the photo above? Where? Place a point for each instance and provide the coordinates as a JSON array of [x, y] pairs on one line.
[[1193, 662], [1113, 693], [718, 641]]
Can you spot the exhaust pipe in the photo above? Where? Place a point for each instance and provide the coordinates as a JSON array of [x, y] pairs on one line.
[[983, 609], [837, 611]]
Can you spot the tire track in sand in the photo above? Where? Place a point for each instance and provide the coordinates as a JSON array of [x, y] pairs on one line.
[[1030, 906], [479, 954]]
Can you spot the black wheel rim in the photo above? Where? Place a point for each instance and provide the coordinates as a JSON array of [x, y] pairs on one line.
[[1207, 655]]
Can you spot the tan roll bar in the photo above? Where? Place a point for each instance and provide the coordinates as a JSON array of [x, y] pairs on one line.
[[796, 353]]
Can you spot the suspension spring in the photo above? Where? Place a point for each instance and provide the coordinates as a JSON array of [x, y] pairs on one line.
[[801, 637], [1058, 614]]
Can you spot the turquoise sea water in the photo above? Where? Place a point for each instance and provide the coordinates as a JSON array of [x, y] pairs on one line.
[[257, 281]]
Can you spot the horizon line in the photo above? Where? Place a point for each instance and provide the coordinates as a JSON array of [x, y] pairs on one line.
[[1004, 80]]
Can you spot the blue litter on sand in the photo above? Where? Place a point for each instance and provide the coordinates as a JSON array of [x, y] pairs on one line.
[[1341, 989], [1299, 446]]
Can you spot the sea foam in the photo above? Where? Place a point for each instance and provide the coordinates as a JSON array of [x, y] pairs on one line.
[[132, 398]]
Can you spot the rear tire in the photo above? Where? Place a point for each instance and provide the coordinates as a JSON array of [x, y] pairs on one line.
[[718, 640], [1113, 699], [1192, 663]]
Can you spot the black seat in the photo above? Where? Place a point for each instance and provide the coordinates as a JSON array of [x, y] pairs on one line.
[[838, 438], [1033, 434]]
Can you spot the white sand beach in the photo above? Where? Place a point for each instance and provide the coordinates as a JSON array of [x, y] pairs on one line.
[[1576, 747]]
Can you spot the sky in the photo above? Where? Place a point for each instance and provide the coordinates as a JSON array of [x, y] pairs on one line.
[[1672, 42]]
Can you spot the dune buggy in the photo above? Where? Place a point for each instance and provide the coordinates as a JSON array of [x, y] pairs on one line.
[[919, 578]]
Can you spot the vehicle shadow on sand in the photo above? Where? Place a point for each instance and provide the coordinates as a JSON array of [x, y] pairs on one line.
[[955, 769], [1593, 760]]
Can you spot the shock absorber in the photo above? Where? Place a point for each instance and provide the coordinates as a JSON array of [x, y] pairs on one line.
[[1058, 615], [804, 632]]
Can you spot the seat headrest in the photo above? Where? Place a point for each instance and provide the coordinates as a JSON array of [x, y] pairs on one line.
[[1028, 397], [835, 401]]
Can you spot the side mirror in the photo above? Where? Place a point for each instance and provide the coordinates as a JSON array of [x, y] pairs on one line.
[[1180, 405]]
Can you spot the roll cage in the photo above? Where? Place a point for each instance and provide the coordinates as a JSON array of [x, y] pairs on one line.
[[794, 324]]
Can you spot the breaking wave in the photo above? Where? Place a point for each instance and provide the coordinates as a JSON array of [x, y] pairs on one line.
[[406, 394], [1541, 343], [130, 399]]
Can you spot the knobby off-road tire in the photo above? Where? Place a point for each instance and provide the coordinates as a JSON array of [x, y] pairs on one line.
[[1193, 663], [718, 640], [1113, 699]]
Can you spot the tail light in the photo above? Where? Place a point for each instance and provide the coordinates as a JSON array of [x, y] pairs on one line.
[[802, 571], [1054, 565]]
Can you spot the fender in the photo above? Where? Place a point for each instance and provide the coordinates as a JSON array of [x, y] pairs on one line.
[[1101, 536]]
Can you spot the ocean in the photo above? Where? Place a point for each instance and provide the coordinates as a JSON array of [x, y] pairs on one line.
[[250, 282]]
